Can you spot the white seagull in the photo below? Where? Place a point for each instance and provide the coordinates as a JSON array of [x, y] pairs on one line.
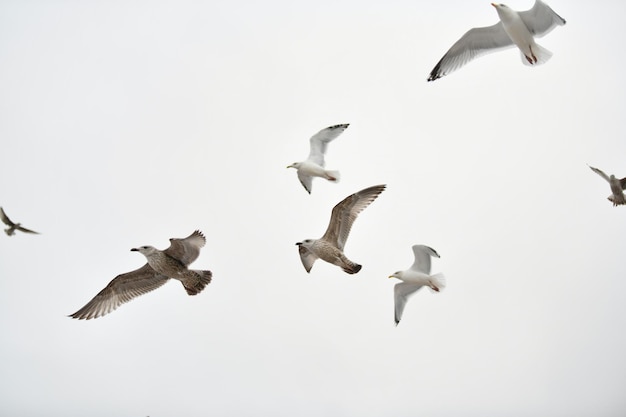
[[314, 165], [329, 247], [172, 262], [617, 187], [514, 29], [13, 226], [415, 278]]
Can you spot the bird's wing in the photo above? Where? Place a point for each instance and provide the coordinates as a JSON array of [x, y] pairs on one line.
[[23, 229], [346, 212], [306, 181], [401, 293], [422, 258], [120, 290], [307, 257], [475, 42], [5, 218], [623, 183], [321, 139], [600, 173], [541, 19], [186, 250]]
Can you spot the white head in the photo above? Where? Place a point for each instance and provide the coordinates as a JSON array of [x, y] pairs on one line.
[[295, 165], [307, 243], [145, 250], [397, 274]]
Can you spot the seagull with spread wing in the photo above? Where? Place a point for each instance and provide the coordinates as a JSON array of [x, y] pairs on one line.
[[414, 278], [172, 262], [314, 165], [329, 247], [13, 226], [617, 187], [514, 29]]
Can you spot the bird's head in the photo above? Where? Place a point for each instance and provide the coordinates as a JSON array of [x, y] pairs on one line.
[[306, 243], [397, 274], [146, 250], [295, 165]]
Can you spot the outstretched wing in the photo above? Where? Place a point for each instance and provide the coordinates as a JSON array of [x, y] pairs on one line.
[[474, 43], [345, 213], [541, 19], [5, 218], [306, 181], [600, 173], [120, 290], [401, 293], [307, 257], [186, 250], [422, 255], [320, 140], [23, 229]]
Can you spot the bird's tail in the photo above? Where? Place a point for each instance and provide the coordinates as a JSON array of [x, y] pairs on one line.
[[540, 55], [195, 281], [617, 200], [437, 282], [333, 176]]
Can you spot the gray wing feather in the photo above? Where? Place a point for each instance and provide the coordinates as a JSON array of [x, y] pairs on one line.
[[401, 293], [600, 173], [345, 213], [422, 255], [5, 218], [320, 140], [186, 250], [307, 257], [541, 19], [120, 290], [306, 181], [474, 43]]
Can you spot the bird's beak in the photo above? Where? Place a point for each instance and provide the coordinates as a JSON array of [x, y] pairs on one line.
[[495, 5], [390, 276], [134, 250], [298, 243], [289, 166]]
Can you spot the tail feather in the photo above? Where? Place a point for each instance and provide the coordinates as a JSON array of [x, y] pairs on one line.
[[195, 281], [351, 267], [438, 282], [541, 54]]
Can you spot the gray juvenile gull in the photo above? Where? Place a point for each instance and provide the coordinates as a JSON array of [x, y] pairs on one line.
[[617, 187], [330, 246], [13, 226], [415, 278], [173, 263], [314, 165], [514, 29]]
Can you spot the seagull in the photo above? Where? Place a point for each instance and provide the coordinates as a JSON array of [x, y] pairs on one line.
[[314, 165], [330, 246], [415, 278], [514, 29], [617, 187], [13, 226], [162, 265]]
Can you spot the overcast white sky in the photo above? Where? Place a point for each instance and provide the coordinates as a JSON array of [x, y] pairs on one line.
[[125, 123]]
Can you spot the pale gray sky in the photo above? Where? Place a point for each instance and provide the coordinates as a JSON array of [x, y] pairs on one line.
[[125, 123]]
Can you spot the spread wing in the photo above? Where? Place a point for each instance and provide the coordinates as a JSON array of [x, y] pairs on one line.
[[306, 181], [541, 19], [623, 183], [600, 173], [5, 218], [320, 140], [23, 229], [422, 258], [475, 42], [186, 250], [307, 257], [401, 293], [120, 290], [346, 212]]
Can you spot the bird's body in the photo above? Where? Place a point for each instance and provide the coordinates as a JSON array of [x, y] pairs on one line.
[[10, 231], [414, 278], [514, 29], [330, 247], [314, 166], [171, 263], [617, 187]]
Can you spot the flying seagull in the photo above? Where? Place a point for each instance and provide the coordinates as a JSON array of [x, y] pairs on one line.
[[617, 187], [514, 29], [415, 278], [13, 226], [314, 165], [329, 247], [172, 262]]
